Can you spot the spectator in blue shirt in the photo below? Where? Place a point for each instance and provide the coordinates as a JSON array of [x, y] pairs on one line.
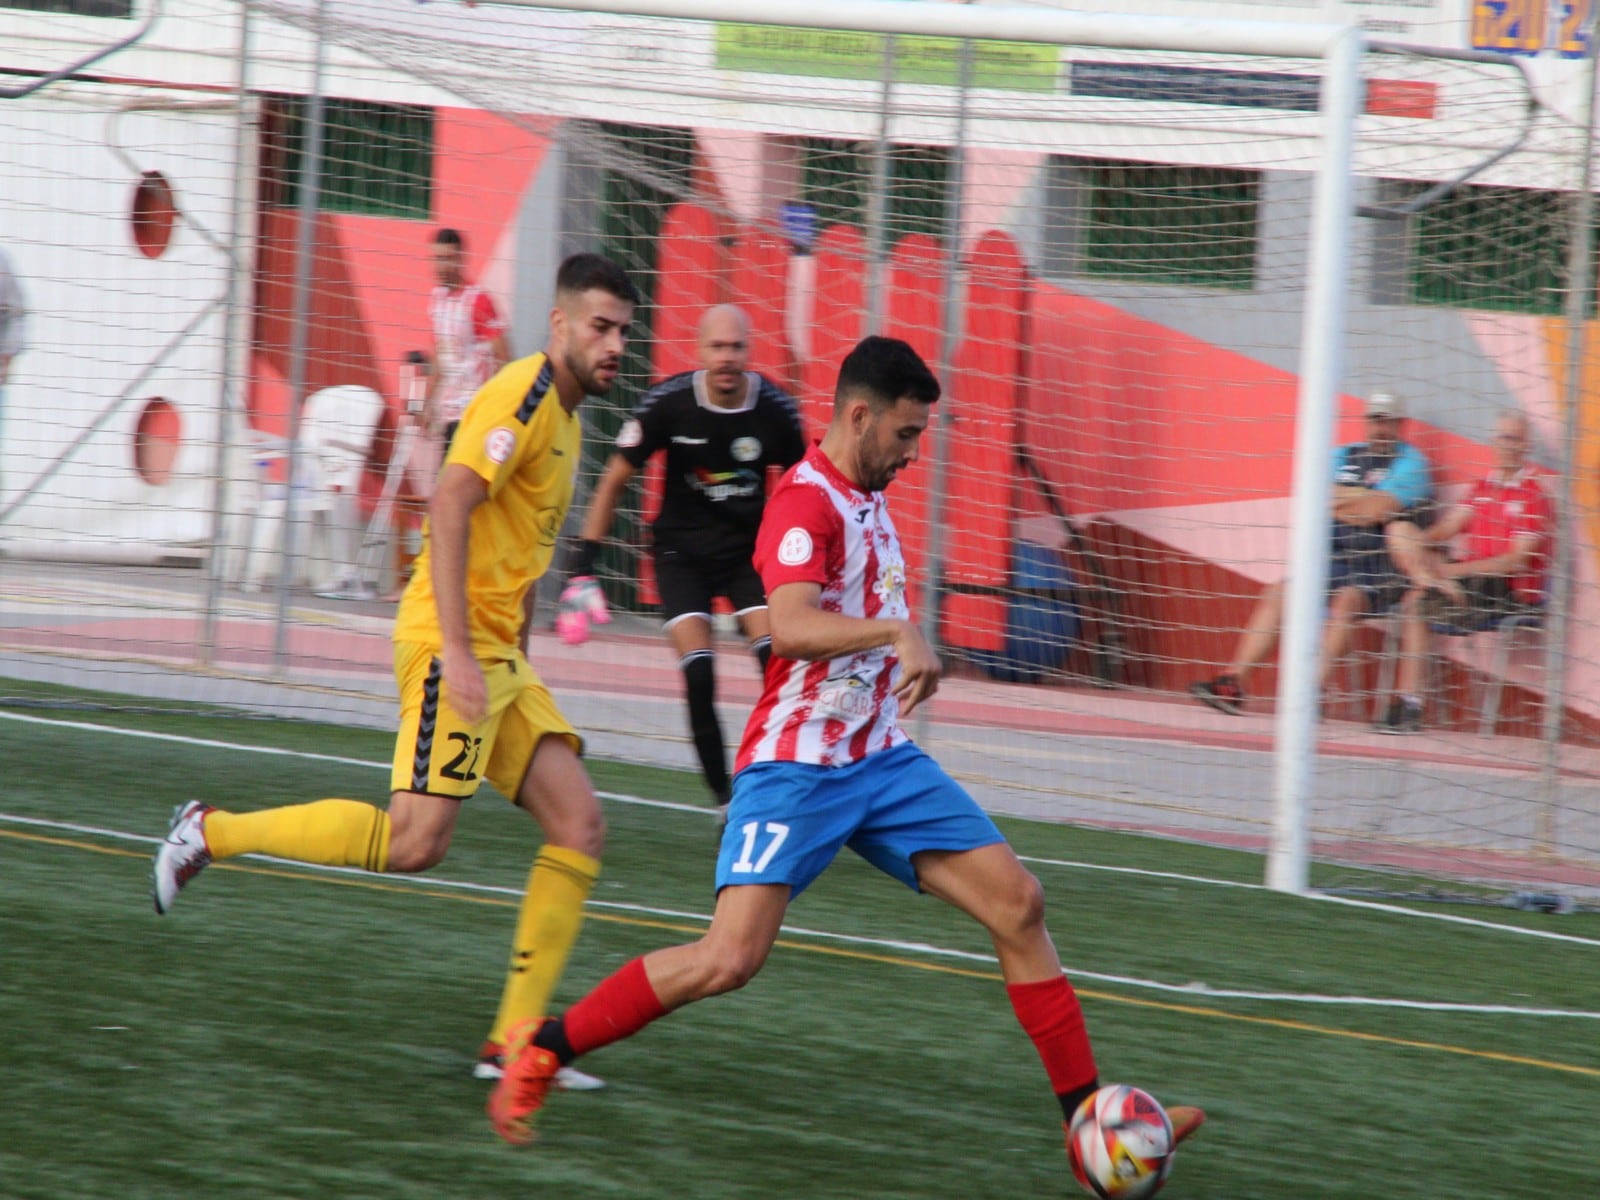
[[1375, 482]]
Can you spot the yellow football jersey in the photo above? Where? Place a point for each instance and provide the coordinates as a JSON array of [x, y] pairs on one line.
[[518, 437]]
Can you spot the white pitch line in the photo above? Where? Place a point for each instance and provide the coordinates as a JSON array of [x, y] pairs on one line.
[[1348, 901], [623, 798], [1145, 873], [309, 755], [1194, 990]]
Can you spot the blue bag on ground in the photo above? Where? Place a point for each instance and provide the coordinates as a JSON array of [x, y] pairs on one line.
[[1041, 623]]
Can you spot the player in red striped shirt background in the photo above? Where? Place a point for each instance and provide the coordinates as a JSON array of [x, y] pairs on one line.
[[469, 336]]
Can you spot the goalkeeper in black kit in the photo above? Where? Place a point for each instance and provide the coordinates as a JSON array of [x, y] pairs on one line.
[[721, 428]]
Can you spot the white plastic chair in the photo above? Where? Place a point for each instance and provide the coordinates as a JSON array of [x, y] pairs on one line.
[[249, 529], [337, 428]]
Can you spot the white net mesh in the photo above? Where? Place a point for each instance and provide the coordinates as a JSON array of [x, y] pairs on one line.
[[1107, 493]]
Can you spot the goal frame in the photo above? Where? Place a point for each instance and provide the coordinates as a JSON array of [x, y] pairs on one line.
[[1340, 50]]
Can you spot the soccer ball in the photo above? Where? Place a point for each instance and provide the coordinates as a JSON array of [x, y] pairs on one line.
[[1119, 1143]]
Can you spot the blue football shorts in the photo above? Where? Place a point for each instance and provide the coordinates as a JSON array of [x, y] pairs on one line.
[[786, 820]]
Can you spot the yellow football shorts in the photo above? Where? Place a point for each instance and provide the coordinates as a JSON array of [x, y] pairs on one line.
[[439, 753]]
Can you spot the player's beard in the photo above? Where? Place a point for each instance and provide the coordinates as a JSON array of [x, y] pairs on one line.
[[586, 374], [875, 473]]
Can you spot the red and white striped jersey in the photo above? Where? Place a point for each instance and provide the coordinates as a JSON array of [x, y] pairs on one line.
[[820, 528], [465, 325]]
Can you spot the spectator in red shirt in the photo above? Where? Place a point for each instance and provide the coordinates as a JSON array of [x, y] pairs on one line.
[[1509, 523], [469, 336]]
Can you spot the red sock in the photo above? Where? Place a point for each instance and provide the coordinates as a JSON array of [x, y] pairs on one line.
[[1050, 1015], [623, 1004]]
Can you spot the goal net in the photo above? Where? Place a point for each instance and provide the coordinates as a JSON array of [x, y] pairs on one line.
[[1104, 251]]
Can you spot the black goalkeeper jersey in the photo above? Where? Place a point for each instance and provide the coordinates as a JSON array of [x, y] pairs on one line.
[[717, 459]]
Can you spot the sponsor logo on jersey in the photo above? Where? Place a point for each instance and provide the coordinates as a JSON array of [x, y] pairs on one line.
[[746, 449], [630, 435], [499, 444], [795, 548], [847, 695], [679, 439], [718, 486]]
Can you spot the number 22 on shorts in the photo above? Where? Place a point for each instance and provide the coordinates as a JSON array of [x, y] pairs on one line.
[[747, 863]]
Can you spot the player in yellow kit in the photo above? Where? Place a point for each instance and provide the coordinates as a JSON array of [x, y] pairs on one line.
[[471, 708]]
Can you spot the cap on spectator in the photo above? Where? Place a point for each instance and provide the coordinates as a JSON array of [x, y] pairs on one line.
[[1385, 404]]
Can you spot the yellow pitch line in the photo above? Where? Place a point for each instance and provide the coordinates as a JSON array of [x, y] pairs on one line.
[[1193, 1010]]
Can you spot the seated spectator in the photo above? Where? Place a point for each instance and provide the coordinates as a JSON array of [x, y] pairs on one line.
[[1508, 520], [1375, 482]]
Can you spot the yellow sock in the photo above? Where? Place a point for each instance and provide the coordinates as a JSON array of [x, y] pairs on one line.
[[335, 833], [552, 911]]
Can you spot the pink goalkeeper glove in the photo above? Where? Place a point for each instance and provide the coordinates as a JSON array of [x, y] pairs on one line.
[[582, 604]]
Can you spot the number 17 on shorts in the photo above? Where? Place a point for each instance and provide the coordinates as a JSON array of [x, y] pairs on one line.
[[761, 841]]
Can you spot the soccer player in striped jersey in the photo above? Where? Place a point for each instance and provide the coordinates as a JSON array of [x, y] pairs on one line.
[[825, 764], [471, 708]]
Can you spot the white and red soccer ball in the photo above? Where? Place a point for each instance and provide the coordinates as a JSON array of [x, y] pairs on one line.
[[1120, 1144]]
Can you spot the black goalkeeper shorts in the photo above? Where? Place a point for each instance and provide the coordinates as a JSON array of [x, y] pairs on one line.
[[688, 584]]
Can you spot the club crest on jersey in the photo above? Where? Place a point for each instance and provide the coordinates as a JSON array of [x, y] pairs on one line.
[[746, 449], [630, 435], [499, 444], [795, 548], [891, 584]]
